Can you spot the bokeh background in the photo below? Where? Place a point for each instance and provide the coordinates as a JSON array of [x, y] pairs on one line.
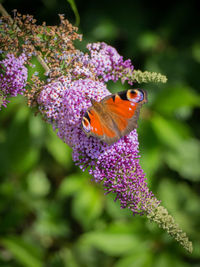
[[51, 214]]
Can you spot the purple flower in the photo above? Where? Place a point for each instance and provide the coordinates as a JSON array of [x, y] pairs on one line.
[[51, 96], [116, 166], [107, 63], [13, 77], [102, 63]]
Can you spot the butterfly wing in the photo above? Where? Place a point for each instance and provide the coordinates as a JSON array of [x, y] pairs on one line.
[[94, 124], [124, 108], [115, 116]]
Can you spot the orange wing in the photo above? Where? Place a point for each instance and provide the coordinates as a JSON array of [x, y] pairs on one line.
[[124, 108], [95, 126], [121, 111]]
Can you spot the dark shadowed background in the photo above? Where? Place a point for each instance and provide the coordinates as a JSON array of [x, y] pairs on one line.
[[51, 214]]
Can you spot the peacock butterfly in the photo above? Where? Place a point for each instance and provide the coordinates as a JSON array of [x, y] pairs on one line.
[[114, 116]]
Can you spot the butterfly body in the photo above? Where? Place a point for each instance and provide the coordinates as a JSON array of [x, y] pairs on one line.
[[114, 116]]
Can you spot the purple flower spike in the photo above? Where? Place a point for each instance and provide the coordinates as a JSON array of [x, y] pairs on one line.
[[116, 166], [13, 77]]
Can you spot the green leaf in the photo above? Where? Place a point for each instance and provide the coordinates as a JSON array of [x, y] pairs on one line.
[[183, 153], [59, 150], [24, 252], [174, 98], [166, 260], [114, 210], [38, 184], [168, 131], [196, 51], [168, 194], [87, 205], [179, 199], [150, 149], [17, 153], [24, 161], [186, 159], [75, 10], [141, 259], [195, 254], [115, 244], [150, 161], [37, 67], [37, 129], [71, 185], [50, 223]]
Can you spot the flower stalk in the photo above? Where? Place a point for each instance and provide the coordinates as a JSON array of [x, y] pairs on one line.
[[164, 220], [147, 77], [39, 58]]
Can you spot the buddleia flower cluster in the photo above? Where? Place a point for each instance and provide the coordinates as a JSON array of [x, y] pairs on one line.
[[116, 166], [72, 77], [13, 77]]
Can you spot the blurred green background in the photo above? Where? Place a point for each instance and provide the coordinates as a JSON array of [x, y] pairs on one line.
[[51, 214]]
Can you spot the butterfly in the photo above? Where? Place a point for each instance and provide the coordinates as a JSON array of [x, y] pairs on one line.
[[114, 116]]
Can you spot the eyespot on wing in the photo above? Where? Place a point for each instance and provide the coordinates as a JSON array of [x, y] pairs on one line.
[[135, 95], [91, 123], [86, 123]]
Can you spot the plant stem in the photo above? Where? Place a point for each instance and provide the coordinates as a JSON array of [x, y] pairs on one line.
[[39, 58]]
